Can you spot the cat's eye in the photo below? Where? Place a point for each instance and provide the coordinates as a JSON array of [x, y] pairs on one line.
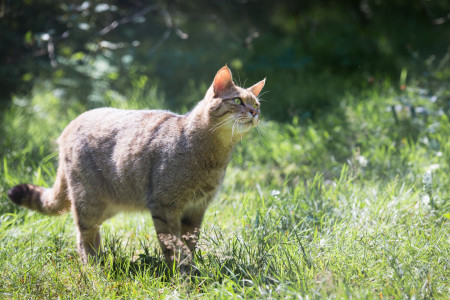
[[238, 101], [255, 106]]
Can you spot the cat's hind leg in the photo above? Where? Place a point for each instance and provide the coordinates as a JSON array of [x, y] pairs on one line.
[[88, 216]]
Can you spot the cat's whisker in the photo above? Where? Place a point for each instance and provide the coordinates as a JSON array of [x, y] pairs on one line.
[[240, 122], [232, 129], [263, 130], [266, 133], [263, 93], [238, 126], [259, 133], [224, 121], [242, 133], [221, 124], [264, 136]]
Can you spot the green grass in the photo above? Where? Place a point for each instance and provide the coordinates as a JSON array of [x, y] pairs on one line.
[[352, 205]]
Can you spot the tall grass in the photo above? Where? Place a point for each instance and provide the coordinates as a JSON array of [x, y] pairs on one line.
[[354, 204]]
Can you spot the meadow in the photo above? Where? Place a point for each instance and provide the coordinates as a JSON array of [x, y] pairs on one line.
[[353, 204]]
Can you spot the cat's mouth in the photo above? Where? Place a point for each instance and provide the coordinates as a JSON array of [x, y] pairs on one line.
[[253, 122]]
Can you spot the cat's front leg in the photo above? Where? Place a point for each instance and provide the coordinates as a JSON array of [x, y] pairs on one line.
[[89, 244], [191, 222], [168, 228]]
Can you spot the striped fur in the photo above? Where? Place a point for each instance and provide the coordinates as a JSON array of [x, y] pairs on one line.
[[172, 165]]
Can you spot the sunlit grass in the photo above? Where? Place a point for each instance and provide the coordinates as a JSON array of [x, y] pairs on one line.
[[354, 204]]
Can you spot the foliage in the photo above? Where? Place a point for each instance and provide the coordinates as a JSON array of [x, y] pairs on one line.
[[311, 51], [355, 204]]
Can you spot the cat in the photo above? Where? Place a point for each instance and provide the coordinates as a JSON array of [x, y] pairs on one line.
[[113, 160]]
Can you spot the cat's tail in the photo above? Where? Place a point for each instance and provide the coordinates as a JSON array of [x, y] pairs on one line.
[[49, 201]]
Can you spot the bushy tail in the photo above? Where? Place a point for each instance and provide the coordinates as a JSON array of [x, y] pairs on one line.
[[49, 201]]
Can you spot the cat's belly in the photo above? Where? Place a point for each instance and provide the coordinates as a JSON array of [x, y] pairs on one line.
[[113, 209]]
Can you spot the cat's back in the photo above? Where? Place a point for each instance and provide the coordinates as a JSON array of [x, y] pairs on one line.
[[111, 123]]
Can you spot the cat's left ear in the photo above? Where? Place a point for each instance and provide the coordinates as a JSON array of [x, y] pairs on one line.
[[256, 89]]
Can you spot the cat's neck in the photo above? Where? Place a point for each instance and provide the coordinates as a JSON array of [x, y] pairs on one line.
[[201, 127]]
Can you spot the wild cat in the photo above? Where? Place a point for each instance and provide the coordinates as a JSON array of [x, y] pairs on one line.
[[113, 160]]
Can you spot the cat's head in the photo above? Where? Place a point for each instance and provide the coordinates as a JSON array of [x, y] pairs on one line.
[[231, 107]]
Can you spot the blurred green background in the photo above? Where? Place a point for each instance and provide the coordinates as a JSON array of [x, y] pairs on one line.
[[312, 52]]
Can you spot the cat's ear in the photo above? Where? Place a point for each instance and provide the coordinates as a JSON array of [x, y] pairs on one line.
[[223, 80], [256, 89]]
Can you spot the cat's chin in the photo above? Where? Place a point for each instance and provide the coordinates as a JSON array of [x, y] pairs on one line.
[[246, 126], [253, 122]]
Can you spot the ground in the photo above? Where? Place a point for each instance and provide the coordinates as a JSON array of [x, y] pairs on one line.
[[351, 204]]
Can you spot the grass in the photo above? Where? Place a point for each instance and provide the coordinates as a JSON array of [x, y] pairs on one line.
[[352, 205]]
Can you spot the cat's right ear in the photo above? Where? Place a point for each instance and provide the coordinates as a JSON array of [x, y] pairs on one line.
[[222, 81]]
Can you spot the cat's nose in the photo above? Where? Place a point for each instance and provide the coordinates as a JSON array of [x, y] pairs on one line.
[[253, 111]]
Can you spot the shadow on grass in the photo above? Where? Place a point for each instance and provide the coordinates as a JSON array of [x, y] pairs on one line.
[[202, 271], [119, 262]]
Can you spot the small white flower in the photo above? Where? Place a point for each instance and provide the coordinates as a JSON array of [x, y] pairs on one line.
[[433, 167], [362, 160], [83, 26], [275, 193]]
